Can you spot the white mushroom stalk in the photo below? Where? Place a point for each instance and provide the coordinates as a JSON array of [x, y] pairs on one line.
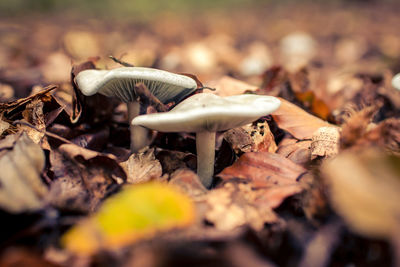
[[205, 114], [120, 82]]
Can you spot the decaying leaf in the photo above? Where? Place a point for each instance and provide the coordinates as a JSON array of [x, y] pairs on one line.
[[356, 125], [137, 212], [239, 139], [173, 160], [83, 177], [33, 114], [385, 134], [142, 167], [234, 205], [325, 142], [297, 151], [237, 204], [188, 182], [251, 138], [3, 126], [262, 137], [264, 169], [21, 164], [296, 121], [12, 106], [364, 189]]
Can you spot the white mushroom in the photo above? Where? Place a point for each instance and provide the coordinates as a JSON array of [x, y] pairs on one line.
[[120, 83], [205, 114], [396, 81]]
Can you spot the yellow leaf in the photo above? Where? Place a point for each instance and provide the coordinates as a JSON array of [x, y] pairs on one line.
[[137, 212]]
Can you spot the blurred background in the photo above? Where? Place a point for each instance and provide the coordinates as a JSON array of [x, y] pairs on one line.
[[210, 38]]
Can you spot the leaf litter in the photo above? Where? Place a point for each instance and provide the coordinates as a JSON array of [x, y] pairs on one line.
[[313, 184]]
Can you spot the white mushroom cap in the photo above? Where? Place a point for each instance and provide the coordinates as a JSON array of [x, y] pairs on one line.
[[120, 82], [208, 112], [396, 81]]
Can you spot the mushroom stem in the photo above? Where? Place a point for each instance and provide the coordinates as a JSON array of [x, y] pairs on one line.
[[205, 146], [138, 133]]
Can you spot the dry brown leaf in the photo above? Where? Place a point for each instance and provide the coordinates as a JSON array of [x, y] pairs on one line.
[[33, 114], [3, 126], [21, 165], [188, 182], [227, 86], [296, 121], [264, 169], [11, 106], [385, 134], [173, 160], [262, 137], [364, 189], [239, 139], [325, 142], [83, 177], [234, 205], [295, 150], [251, 138], [142, 167]]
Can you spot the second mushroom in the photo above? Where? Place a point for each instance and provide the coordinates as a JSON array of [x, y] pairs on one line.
[[205, 114], [120, 82]]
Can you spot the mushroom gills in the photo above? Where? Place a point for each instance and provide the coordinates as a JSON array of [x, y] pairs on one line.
[[115, 87], [120, 82]]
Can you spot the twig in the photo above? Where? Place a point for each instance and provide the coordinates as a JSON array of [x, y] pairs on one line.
[[50, 134], [148, 99], [119, 61]]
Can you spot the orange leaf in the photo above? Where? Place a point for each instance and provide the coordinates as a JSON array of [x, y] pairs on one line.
[[264, 169], [296, 121]]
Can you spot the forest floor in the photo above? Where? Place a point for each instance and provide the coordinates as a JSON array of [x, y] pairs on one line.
[[314, 183]]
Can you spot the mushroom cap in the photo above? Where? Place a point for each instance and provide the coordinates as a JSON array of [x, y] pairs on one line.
[[396, 81], [209, 112], [120, 83]]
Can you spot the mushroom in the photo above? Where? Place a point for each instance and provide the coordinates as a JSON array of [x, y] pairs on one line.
[[120, 82], [396, 81], [205, 114]]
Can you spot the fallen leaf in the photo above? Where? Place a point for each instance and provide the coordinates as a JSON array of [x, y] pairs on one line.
[[296, 121], [227, 86], [325, 142], [174, 160], [264, 169], [295, 150], [262, 137], [3, 126], [142, 167], [251, 138], [21, 188], [234, 205], [316, 105], [33, 114], [364, 189], [10, 107], [137, 212], [239, 139], [83, 177], [188, 182]]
